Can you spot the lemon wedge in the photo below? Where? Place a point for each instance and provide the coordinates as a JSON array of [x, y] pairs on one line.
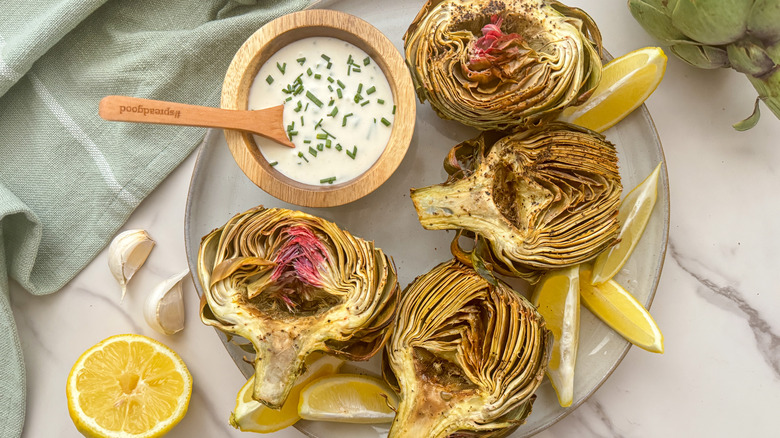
[[633, 216], [250, 415], [617, 308], [557, 298], [626, 82], [128, 386], [348, 398]]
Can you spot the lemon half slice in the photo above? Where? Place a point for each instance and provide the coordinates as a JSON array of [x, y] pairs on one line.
[[250, 415], [626, 82], [635, 211], [128, 386], [348, 398], [617, 308], [557, 297]]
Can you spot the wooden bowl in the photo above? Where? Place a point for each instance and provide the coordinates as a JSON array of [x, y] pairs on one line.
[[312, 23]]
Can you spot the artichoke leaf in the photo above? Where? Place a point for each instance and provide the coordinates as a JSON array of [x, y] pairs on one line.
[[712, 22]]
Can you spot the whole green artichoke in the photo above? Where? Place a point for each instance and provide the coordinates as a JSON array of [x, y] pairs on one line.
[[741, 34]]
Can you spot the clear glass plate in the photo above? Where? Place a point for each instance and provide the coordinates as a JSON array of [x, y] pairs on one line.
[[219, 190]]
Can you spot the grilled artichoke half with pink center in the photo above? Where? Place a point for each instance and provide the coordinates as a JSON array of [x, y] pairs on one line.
[[292, 284], [535, 200], [497, 64], [465, 357]]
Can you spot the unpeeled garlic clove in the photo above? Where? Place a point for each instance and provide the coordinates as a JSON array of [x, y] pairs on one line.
[[164, 307], [127, 253]]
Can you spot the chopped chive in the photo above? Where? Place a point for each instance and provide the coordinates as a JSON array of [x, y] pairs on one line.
[[341, 84], [318, 124], [328, 180], [344, 120], [331, 80], [331, 102], [307, 141], [338, 147], [322, 136], [308, 71], [269, 79], [320, 146], [273, 164], [300, 154], [301, 60], [385, 121], [358, 98], [360, 88], [374, 119], [349, 70], [305, 108], [356, 69], [330, 88], [281, 67], [325, 57], [302, 117], [312, 151], [327, 143], [330, 64], [349, 59], [371, 90], [291, 134], [365, 103], [289, 98], [380, 101], [366, 60], [290, 127], [393, 109], [317, 76], [334, 112], [353, 153], [338, 91], [326, 132], [314, 99], [298, 107]]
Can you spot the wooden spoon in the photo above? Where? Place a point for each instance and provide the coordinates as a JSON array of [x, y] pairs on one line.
[[267, 122]]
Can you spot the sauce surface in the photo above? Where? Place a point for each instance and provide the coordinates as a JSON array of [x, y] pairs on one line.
[[338, 110]]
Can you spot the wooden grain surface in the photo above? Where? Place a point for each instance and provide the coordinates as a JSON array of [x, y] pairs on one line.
[[267, 122], [311, 23]]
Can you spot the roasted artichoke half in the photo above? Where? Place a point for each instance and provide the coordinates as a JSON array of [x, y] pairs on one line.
[[534, 200], [293, 283], [497, 64], [465, 357]]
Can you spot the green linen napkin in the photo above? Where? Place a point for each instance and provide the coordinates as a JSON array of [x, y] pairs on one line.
[[69, 180]]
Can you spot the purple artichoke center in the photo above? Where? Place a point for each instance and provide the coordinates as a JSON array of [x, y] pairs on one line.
[[494, 47], [300, 258]]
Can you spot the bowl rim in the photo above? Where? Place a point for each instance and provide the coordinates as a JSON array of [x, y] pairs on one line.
[[266, 41]]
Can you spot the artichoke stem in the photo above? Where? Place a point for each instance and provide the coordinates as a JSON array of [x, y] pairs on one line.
[[415, 419], [277, 365], [437, 205]]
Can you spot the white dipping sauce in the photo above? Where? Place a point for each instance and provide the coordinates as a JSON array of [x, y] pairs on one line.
[[338, 110]]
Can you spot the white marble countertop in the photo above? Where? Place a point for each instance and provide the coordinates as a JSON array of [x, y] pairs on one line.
[[717, 303]]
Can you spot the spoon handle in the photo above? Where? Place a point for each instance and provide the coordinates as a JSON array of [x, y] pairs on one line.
[[266, 122]]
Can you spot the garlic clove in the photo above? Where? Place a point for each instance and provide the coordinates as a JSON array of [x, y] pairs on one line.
[[164, 307], [127, 253]]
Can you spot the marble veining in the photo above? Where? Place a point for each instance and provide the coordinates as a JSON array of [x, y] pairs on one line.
[[767, 340]]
